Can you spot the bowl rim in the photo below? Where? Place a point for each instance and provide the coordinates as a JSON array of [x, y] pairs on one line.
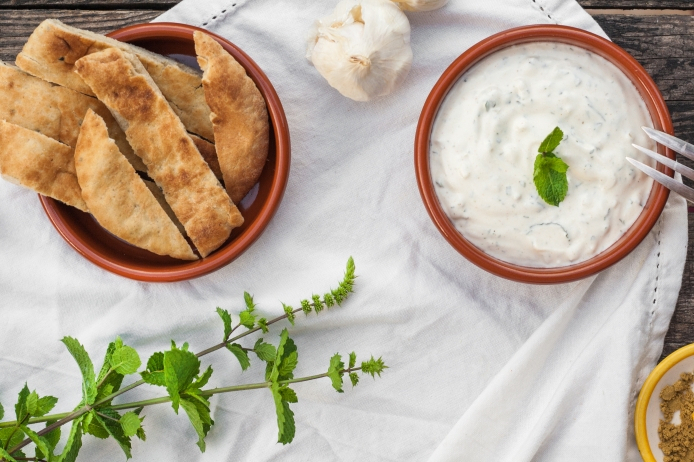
[[645, 394], [233, 249], [542, 33]]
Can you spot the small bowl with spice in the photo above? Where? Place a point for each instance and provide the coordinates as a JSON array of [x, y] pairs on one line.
[[520, 154], [664, 415]]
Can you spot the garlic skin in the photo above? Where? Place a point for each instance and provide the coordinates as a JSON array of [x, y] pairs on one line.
[[363, 48], [420, 5]]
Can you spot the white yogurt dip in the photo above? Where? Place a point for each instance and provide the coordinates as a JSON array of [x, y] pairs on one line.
[[485, 139]]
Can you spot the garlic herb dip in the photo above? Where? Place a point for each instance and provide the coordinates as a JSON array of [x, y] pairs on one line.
[[486, 136]]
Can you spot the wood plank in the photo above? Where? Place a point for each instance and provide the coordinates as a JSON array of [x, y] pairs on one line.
[[664, 45], [638, 4], [89, 4], [17, 25]]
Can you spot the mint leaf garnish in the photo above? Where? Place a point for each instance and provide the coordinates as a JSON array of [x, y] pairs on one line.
[[549, 173], [265, 351], [180, 368], [154, 374], [130, 423]]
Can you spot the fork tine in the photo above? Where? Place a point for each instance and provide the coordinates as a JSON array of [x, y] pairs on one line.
[[670, 183], [676, 166], [676, 144]]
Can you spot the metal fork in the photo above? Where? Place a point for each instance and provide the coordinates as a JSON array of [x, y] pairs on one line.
[[677, 145]]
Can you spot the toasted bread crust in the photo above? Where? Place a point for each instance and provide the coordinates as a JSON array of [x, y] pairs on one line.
[[209, 153], [37, 162], [119, 199], [159, 138], [54, 111], [54, 47], [239, 117]]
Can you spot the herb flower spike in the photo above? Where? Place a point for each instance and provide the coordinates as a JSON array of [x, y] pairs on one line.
[[181, 374], [549, 174]]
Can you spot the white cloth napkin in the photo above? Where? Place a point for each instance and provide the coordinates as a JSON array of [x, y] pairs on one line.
[[481, 369]]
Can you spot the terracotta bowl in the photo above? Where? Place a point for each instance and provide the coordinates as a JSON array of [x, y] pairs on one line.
[[542, 33], [85, 235]]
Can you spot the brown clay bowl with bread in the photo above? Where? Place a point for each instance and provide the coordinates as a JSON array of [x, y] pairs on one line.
[[83, 232]]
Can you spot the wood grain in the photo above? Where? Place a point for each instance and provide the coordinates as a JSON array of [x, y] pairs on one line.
[[638, 4], [17, 25], [88, 4], [664, 45]]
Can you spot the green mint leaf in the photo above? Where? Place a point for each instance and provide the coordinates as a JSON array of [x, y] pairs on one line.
[[51, 440], [203, 379], [180, 368], [552, 141], [130, 423], [141, 434], [73, 443], [32, 403], [11, 437], [6, 456], [247, 319], [288, 395], [373, 367], [109, 380], [2, 412], [248, 298], [285, 417], [86, 367], [44, 405], [288, 365], [113, 427], [285, 349], [94, 427], [550, 178], [262, 323], [41, 444], [354, 378], [549, 171], [265, 351], [352, 359], [198, 410], [125, 360], [20, 409], [154, 373], [240, 354], [335, 372], [226, 319]]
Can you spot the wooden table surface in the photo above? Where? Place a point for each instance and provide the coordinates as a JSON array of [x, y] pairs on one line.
[[658, 33]]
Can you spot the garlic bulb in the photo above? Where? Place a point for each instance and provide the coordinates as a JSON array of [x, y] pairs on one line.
[[363, 48], [420, 5]]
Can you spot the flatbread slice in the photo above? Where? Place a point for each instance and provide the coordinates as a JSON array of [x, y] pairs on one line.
[[54, 47], [54, 111], [159, 196], [239, 117], [160, 139], [119, 199], [209, 153], [35, 161]]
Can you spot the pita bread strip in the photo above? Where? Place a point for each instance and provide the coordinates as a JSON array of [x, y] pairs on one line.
[[54, 111], [37, 162], [239, 117], [160, 139], [54, 47], [119, 199]]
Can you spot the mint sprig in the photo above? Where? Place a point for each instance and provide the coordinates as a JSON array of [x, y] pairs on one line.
[[178, 371], [549, 173]]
